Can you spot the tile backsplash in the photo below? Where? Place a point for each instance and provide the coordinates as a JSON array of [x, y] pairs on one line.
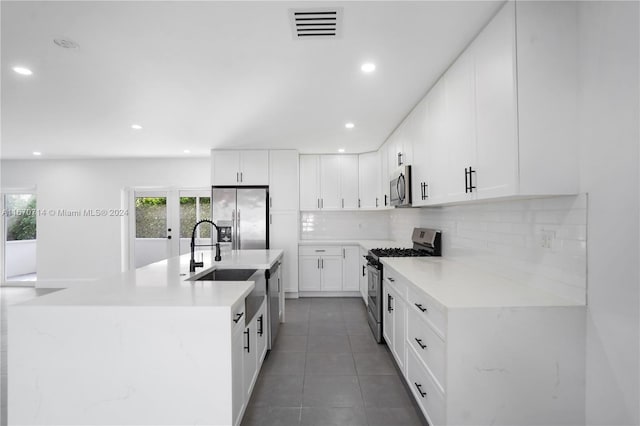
[[539, 242], [352, 225]]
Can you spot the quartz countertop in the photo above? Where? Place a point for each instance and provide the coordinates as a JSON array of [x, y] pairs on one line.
[[457, 285], [164, 283]]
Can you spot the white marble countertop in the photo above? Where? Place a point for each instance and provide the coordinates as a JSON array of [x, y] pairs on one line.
[[164, 284], [457, 285]]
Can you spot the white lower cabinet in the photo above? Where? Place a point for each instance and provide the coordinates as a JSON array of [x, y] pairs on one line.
[[363, 276], [283, 234], [329, 269], [249, 347], [471, 365]]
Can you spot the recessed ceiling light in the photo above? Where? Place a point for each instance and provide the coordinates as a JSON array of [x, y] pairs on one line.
[[368, 67], [341, 150], [186, 151], [23, 70], [136, 126], [349, 125], [37, 153]]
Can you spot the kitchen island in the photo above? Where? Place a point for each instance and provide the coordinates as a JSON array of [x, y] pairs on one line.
[[142, 347]]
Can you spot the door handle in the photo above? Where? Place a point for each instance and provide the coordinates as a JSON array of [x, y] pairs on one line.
[[363, 268], [238, 227], [389, 300], [246, 333], [261, 322], [419, 387], [422, 345], [322, 263], [240, 176], [419, 306], [237, 177], [318, 263]]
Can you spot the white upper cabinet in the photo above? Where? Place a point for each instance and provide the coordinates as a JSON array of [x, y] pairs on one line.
[[249, 167], [369, 180], [384, 176], [501, 121], [283, 180], [309, 182], [328, 182]]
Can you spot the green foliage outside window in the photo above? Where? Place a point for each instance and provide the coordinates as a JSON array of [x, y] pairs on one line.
[[21, 221]]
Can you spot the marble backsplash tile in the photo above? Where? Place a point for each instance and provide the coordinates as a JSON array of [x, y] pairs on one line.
[[351, 225], [540, 242]]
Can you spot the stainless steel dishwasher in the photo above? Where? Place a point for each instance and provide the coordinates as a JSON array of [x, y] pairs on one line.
[[273, 301]]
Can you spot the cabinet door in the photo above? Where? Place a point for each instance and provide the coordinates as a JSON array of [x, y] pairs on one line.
[[363, 277], [349, 181], [309, 273], [369, 184], [283, 234], [254, 167], [261, 334], [438, 144], [497, 149], [309, 182], [387, 316], [330, 198], [250, 359], [237, 392], [351, 268], [420, 164], [384, 177], [225, 167], [459, 84], [399, 330], [283, 180], [331, 267]]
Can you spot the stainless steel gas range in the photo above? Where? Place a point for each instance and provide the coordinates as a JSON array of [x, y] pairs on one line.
[[426, 242]]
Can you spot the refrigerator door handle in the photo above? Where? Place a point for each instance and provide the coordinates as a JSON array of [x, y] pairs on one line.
[[239, 242]]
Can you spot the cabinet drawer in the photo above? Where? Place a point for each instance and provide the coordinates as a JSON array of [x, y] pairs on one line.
[[425, 391], [396, 281], [428, 310], [238, 315], [428, 345], [320, 251]]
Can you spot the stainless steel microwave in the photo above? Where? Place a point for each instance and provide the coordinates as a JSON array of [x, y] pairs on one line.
[[400, 187]]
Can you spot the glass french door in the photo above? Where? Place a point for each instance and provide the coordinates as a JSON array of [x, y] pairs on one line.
[[163, 222], [19, 211]]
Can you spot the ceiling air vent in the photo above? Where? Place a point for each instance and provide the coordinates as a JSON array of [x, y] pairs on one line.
[[316, 23]]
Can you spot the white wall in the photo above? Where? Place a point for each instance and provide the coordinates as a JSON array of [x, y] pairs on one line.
[[20, 257], [78, 248], [609, 138]]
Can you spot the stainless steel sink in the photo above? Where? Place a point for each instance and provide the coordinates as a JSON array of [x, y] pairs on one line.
[[224, 275]]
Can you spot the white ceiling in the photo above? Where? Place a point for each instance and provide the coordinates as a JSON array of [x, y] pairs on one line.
[[205, 74]]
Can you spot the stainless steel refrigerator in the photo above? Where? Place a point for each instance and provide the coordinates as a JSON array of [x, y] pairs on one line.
[[241, 213]]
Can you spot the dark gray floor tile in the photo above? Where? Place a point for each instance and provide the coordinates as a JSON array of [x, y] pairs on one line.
[[325, 304], [290, 343], [327, 328], [357, 327], [365, 343], [296, 316], [329, 344], [374, 364], [277, 391], [320, 316], [272, 416], [294, 328], [330, 364], [394, 417], [284, 363], [331, 391], [384, 392], [333, 416]]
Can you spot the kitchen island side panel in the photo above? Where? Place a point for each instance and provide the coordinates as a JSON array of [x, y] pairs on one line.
[[78, 365], [521, 366]]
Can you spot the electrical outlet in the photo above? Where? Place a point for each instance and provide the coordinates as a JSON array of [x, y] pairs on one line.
[[547, 237]]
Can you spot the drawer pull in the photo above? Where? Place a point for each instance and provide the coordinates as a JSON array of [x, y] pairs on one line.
[[419, 306], [238, 316], [320, 251], [419, 387], [422, 345], [391, 279]]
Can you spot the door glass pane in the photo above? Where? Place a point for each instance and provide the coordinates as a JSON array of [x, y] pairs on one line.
[[204, 211], [187, 216], [20, 237], [151, 217]]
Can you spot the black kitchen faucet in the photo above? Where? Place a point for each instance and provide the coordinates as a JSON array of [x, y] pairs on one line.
[[193, 264]]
